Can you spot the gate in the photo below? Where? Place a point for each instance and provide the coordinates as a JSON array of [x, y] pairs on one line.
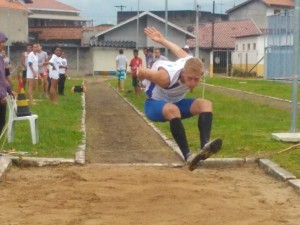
[[222, 61], [279, 50]]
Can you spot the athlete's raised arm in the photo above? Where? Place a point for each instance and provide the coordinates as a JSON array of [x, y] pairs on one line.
[[156, 36]]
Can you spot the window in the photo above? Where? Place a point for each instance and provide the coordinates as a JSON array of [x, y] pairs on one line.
[[236, 47], [254, 46], [243, 47], [249, 47], [276, 11]]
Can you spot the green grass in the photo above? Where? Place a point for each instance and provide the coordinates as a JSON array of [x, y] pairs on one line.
[[278, 89], [244, 126], [59, 127]]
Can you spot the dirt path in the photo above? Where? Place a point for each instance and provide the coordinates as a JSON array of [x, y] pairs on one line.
[[116, 133], [95, 194]]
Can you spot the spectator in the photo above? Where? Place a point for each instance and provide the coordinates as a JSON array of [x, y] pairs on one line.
[[32, 72], [4, 85], [62, 73], [135, 62], [54, 62], [186, 48], [121, 68], [150, 57], [42, 80], [7, 64], [159, 56], [24, 63]]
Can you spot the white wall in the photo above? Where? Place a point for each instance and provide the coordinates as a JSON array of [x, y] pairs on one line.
[[244, 58], [104, 59]]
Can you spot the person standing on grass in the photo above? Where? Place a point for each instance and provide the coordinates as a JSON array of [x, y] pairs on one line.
[[121, 68], [42, 81], [135, 62], [150, 57], [7, 64], [166, 86], [32, 72], [54, 62], [62, 73], [4, 85], [24, 63], [159, 56]]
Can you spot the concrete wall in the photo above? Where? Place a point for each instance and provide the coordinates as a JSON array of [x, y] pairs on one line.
[[255, 10], [14, 22], [246, 59], [104, 59]]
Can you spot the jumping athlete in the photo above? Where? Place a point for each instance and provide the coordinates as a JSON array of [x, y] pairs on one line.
[[166, 85]]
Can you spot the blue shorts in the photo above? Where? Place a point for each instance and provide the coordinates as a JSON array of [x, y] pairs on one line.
[[121, 74], [153, 109]]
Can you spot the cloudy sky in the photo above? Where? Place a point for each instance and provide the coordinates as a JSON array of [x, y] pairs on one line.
[[103, 11]]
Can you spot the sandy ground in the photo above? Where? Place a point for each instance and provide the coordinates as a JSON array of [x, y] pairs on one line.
[[96, 194]]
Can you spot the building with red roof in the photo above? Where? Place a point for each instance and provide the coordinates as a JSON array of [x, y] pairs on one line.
[[13, 21], [52, 22]]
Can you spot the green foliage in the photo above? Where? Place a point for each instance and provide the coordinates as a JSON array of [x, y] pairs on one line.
[[59, 126]]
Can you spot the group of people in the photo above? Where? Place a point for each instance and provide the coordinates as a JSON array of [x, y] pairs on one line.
[[151, 56], [47, 69], [166, 83]]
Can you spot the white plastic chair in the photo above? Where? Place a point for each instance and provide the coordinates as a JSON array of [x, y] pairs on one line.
[[13, 118]]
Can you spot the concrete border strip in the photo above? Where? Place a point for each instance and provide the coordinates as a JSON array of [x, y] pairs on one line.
[[275, 170], [80, 153], [295, 184], [5, 163]]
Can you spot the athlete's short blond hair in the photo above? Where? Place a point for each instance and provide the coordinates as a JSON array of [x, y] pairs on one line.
[[194, 66]]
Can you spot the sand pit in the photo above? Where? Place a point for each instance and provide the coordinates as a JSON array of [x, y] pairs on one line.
[[95, 194]]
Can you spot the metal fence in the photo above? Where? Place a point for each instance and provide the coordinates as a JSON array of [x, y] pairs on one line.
[[279, 46], [222, 61]]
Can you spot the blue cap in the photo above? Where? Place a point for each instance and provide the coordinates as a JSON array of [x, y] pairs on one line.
[[3, 37]]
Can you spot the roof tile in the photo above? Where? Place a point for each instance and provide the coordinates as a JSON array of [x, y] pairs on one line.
[[225, 33], [12, 5], [287, 3], [50, 5]]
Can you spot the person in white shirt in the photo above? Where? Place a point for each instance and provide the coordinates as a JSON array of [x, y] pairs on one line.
[[43, 80], [54, 63], [24, 63], [62, 73], [159, 56], [121, 68], [32, 72], [166, 85]]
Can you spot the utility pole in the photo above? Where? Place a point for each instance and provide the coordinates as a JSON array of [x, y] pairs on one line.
[[213, 27], [137, 26], [120, 7], [166, 25], [296, 51], [197, 31]]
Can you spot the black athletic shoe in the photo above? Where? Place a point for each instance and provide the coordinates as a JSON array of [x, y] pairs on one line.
[[208, 150]]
